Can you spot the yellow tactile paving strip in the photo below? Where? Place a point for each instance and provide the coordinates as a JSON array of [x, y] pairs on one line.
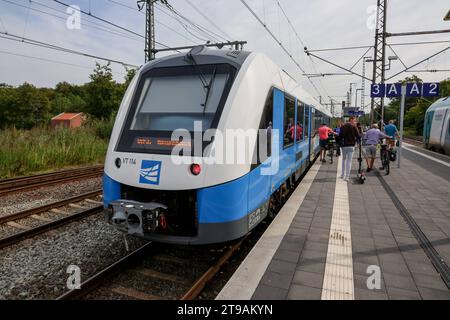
[[338, 279]]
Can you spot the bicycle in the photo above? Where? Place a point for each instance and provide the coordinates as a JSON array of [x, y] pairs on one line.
[[331, 146], [384, 156]]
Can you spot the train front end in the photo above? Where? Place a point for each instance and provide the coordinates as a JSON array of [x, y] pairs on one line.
[[147, 193]]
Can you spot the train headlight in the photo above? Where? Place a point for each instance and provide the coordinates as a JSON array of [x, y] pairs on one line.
[[118, 162], [196, 169]]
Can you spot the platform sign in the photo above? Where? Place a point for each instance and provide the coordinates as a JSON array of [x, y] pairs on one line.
[[393, 90], [377, 90], [416, 89], [430, 89], [413, 89]]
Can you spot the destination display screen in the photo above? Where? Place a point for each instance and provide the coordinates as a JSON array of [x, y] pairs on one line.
[[152, 143]]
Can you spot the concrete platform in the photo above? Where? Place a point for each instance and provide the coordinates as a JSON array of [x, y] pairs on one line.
[[339, 240]]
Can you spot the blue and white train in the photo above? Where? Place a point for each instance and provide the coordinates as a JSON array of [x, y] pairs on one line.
[[436, 129], [147, 195]]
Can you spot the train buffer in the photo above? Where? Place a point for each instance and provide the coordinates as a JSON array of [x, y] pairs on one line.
[[388, 238]]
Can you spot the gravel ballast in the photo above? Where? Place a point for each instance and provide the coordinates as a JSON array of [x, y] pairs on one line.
[[37, 268], [21, 201]]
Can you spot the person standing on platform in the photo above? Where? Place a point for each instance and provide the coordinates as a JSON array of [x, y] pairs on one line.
[[324, 130], [372, 138], [349, 134], [392, 131]]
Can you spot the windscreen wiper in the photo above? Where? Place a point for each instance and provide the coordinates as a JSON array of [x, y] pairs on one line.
[[206, 85], [200, 74], [208, 90]]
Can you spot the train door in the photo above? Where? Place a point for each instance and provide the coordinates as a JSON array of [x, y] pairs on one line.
[[301, 139], [308, 131], [260, 177], [283, 119]]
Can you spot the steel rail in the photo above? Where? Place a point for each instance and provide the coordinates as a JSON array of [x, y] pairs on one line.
[[48, 207], [29, 182], [17, 237], [97, 280], [200, 284]]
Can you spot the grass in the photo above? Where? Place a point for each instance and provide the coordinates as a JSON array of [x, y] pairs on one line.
[[24, 152]]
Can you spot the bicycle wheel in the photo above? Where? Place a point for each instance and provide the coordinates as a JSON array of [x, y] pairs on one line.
[[331, 154], [385, 161]]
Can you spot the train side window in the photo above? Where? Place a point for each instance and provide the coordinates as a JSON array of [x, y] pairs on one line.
[[265, 130], [306, 122], [288, 126], [300, 121], [449, 126]]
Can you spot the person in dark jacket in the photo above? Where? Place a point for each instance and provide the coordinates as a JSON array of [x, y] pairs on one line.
[[349, 135]]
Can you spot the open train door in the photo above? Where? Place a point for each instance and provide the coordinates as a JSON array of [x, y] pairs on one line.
[[311, 130]]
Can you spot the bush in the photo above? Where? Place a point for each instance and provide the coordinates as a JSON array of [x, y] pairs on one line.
[[24, 152]]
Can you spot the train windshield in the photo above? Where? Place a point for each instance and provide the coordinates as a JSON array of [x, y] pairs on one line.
[[174, 98]]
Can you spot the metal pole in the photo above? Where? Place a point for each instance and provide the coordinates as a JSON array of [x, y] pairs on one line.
[[383, 58], [150, 31], [402, 111]]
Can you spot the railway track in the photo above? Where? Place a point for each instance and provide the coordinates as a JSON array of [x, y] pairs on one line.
[[414, 141], [22, 225], [150, 265], [12, 185], [160, 272]]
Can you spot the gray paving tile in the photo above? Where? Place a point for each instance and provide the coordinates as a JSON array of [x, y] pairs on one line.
[[398, 267], [298, 292], [432, 294], [273, 279], [297, 231], [309, 279], [399, 281], [432, 281], [282, 267], [287, 255], [364, 294], [292, 246], [310, 266], [360, 268], [264, 292], [314, 255], [402, 294], [315, 246]]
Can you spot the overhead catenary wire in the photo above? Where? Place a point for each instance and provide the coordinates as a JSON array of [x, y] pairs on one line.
[[183, 25], [102, 28], [17, 38], [313, 65], [209, 20], [279, 43], [50, 60], [200, 29], [111, 23], [157, 20]]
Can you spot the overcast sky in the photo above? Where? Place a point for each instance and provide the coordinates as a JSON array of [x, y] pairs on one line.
[[319, 23]]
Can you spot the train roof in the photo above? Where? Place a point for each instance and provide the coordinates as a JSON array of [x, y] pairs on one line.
[[236, 58], [441, 103]]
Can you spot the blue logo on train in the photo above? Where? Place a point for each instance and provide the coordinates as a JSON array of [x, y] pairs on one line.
[[150, 172]]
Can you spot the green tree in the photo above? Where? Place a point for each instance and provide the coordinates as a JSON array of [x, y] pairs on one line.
[[26, 107], [102, 92]]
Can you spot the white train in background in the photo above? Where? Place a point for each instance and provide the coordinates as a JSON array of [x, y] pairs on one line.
[[436, 129]]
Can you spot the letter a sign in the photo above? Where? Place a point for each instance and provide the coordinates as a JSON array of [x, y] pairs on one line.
[[393, 90], [413, 89]]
